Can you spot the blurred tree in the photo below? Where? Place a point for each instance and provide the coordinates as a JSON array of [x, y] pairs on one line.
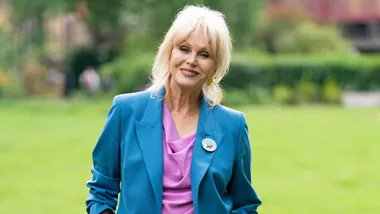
[[311, 38], [240, 15], [32, 14], [157, 15], [9, 49], [106, 21], [111, 20], [104, 16], [286, 31]]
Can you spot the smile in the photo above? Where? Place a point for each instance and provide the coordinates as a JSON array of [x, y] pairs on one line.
[[189, 73]]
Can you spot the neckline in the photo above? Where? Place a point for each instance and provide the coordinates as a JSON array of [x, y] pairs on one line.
[[170, 124]]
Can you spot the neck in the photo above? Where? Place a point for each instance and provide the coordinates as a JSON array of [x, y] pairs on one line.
[[183, 101]]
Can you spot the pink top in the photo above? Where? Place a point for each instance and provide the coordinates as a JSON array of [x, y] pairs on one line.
[[177, 153]]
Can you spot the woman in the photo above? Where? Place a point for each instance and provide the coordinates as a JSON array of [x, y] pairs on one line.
[[174, 149]]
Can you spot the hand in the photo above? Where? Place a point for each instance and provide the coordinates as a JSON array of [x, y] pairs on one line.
[[107, 211]]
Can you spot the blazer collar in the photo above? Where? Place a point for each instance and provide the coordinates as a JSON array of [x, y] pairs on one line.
[[153, 113], [202, 159], [149, 134]]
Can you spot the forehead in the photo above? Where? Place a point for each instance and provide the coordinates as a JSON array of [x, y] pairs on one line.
[[198, 39], [198, 36]]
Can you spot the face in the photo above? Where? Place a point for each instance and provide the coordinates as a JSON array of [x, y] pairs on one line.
[[191, 62]]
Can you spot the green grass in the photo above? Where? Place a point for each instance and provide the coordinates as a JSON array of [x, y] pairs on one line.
[[306, 160]]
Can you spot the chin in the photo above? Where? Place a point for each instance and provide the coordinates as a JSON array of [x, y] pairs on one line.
[[186, 84]]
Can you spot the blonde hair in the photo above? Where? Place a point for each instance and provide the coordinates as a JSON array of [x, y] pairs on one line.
[[188, 21]]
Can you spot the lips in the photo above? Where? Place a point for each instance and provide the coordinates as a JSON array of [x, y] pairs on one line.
[[188, 72]]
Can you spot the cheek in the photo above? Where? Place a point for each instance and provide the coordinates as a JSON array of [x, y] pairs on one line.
[[176, 58], [209, 68]]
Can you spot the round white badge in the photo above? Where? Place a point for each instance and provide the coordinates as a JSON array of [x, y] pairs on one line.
[[209, 144]]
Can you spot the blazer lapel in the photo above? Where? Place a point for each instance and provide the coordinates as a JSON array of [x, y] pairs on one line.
[[202, 159], [149, 133]]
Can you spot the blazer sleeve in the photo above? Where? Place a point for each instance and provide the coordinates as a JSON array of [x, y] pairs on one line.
[[244, 197], [105, 183]]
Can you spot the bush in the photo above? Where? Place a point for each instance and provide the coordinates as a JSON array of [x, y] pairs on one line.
[[306, 92], [33, 78], [236, 97], [358, 73], [131, 73], [284, 94], [258, 95], [311, 78], [252, 95], [331, 92], [13, 89], [10, 47], [263, 79]]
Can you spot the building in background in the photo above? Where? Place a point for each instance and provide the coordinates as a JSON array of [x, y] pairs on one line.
[[359, 20]]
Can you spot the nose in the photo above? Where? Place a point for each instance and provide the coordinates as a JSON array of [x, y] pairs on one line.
[[192, 60]]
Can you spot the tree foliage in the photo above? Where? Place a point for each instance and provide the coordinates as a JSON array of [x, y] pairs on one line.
[[113, 20], [294, 32]]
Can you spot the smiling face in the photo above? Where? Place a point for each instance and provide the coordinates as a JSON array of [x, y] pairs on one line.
[[192, 62]]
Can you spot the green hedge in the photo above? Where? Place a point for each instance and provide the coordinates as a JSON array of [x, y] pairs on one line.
[[281, 79], [359, 73]]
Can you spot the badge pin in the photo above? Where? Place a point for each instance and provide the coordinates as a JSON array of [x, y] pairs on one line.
[[209, 144]]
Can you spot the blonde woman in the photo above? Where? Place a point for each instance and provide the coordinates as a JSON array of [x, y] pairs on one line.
[[173, 149]]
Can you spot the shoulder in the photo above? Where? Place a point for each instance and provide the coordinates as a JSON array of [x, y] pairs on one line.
[[228, 118], [132, 101], [135, 96], [229, 113]]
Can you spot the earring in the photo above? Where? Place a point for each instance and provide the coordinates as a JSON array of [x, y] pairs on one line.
[[210, 81]]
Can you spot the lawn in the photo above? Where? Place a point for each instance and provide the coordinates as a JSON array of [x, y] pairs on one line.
[[306, 160]]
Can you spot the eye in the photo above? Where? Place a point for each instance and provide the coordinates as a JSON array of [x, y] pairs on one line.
[[204, 55], [184, 49]]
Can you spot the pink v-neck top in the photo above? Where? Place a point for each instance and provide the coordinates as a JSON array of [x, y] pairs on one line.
[[177, 153]]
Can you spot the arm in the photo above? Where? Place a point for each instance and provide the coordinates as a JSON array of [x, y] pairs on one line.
[[105, 183], [243, 195]]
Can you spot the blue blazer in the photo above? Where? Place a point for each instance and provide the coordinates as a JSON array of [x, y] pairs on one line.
[[128, 159]]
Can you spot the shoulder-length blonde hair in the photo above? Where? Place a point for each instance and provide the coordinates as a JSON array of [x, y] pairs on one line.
[[188, 21]]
